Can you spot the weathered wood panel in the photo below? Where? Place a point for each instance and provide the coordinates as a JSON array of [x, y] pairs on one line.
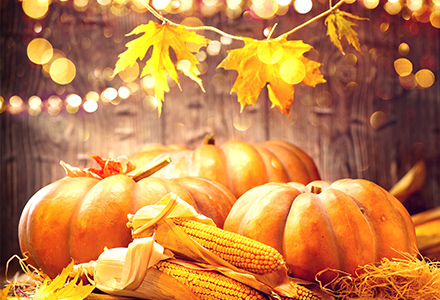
[[331, 122]]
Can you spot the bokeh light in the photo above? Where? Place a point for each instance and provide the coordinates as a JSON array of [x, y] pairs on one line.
[[403, 67], [269, 52], [303, 6], [90, 106], [36, 9], [425, 78], [378, 119], [62, 71], [292, 71], [241, 123], [39, 51], [403, 49]]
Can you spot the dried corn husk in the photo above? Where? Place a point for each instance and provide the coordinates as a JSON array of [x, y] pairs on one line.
[[157, 219], [411, 183], [427, 225], [128, 272]]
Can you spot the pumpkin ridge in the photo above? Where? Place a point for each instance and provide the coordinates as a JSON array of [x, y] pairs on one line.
[[300, 157]]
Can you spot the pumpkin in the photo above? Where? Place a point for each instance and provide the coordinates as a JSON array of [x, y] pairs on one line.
[[79, 215], [237, 165], [342, 225]]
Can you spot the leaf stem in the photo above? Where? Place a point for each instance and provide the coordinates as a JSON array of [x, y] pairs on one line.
[[234, 37], [328, 11]]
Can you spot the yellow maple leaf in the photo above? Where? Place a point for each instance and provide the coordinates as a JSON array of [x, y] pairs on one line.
[[338, 26], [57, 289], [162, 37], [277, 63]]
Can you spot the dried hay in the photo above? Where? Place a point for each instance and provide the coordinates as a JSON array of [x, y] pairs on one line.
[[412, 277]]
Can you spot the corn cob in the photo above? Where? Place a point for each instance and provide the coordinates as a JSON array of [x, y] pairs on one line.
[[240, 251], [209, 284]]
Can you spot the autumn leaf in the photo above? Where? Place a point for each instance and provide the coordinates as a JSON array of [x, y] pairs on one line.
[[58, 289], [277, 63], [338, 26], [162, 37]]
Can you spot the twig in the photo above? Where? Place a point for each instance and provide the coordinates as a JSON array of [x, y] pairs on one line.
[[214, 29], [327, 12]]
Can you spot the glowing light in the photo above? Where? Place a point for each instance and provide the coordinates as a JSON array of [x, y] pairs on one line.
[[292, 71], [378, 119], [233, 4], [160, 4], [403, 49], [371, 4], [425, 78], [392, 7], [265, 9], [384, 27], [150, 103], [15, 101], [213, 48], [40, 51], [241, 123], [283, 2], [109, 94], [184, 65], [2, 104], [303, 6], [73, 100], [124, 92], [403, 67], [269, 52], [90, 106], [36, 9], [130, 73], [148, 82], [38, 28], [35, 102], [92, 95], [434, 18], [53, 105], [225, 40], [351, 59], [104, 2], [414, 5], [62, 71]]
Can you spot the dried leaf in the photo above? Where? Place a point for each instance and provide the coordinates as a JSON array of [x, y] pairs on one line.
[[338, 26], [109, 167], [277, 63], [58, 289], [162, 37]]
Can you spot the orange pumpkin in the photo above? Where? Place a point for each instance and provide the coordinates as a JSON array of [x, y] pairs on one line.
[[80, 214], [237, 165], [341, 226]]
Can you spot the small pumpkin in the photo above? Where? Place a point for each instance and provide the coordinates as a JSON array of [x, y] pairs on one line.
[[77, 216], [237, 165], [342, 225]]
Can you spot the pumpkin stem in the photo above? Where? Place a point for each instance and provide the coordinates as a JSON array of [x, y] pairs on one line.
[[314, 189], [209, 139], [150, 171]]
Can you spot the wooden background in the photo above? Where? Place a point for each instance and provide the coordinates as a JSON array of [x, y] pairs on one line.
[[338, 136]]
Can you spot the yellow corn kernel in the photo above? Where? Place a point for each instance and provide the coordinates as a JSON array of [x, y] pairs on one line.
[[221, 242], [209, 285]]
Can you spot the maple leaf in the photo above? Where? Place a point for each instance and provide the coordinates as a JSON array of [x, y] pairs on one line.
[[277, 63], [58, 289], [162, 37], [338, 26]]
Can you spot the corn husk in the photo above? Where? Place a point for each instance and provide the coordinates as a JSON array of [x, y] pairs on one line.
[[157, 219], [427, 226], [128, 272]]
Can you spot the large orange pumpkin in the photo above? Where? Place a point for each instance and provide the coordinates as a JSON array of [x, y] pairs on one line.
[[80, 214], [342, 225], [237, 165]]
